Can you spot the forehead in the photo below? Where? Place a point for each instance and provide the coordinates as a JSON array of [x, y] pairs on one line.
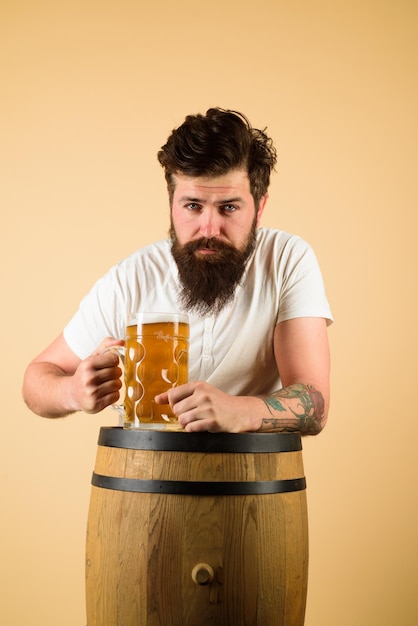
[[234, 180]]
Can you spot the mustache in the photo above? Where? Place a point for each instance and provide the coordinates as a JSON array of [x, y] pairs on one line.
[[211, 243]]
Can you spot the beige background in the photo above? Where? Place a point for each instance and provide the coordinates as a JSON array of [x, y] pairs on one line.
[[89, 92]]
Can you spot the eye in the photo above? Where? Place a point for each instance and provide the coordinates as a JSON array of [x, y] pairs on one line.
[[192, 206], [229, 208]]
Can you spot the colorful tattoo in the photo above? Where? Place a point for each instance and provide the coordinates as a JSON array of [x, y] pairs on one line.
[[305, 405]]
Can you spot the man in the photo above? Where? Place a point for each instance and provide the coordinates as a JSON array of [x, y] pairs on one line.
[[259, 357]]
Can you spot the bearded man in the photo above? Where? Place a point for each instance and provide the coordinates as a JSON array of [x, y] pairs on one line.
[[259, 355]]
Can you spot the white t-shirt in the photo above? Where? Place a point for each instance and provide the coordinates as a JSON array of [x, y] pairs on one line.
[[232, 350]]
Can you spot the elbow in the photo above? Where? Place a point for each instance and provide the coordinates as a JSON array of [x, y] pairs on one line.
[[316, 427], [30, 393], [317, 417], [26, 396]]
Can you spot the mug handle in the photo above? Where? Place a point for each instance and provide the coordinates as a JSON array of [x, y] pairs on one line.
[[120, 351]]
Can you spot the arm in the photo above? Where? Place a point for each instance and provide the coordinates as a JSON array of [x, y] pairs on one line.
[[57, 382], [302, 357]]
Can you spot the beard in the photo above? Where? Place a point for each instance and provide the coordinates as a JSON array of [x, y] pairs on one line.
[[208, 282]]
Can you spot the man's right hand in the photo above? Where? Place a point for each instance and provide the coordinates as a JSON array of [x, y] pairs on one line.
[[58, 383], [96, 382]]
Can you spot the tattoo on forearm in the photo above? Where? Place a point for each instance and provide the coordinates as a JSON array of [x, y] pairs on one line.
[[304, 405]]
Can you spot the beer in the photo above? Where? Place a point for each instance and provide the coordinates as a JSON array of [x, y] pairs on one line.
[[156, 359]]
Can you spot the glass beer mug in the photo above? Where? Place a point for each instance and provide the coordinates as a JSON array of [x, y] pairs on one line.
[[155, 359]]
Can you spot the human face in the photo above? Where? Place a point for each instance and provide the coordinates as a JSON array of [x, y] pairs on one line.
[[213, 231], [219, 207]]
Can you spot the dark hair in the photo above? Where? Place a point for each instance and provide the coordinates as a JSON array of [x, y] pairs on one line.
[[213, 144]]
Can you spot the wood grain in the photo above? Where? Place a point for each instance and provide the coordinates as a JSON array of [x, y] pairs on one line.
[[143, 547]]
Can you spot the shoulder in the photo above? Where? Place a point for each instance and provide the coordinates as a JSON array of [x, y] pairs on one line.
[[158, 251], [280, 244], [155, 257], [147, 266]]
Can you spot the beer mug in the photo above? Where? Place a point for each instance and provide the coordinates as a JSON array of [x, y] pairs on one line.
[[154, 359]]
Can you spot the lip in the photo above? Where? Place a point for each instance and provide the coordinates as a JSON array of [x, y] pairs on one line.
[[206, 251]]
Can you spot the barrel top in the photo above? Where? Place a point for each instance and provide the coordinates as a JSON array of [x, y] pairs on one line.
[[117, 437]]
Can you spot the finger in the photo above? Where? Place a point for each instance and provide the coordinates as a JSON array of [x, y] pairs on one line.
[[185, 417], [101, 361], [102, 402], [162, 398], [175, 395], [108, 342], [111, 375], [204, 425]]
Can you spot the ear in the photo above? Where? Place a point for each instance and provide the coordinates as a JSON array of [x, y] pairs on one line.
[[261, 206]]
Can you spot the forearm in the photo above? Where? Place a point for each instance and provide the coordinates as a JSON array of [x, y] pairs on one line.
[[47, 390], [297, 407]]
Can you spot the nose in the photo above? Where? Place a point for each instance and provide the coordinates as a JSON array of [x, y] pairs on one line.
[[210, 224]]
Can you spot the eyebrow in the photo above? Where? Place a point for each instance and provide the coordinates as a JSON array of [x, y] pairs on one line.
[[201, 200]]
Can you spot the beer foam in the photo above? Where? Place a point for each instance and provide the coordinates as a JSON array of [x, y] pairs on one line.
[[157, 318]]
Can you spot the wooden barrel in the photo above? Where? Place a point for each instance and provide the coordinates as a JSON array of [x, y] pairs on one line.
[[197, 529]]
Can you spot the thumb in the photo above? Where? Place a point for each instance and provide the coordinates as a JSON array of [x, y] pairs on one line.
[[107, 343]]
